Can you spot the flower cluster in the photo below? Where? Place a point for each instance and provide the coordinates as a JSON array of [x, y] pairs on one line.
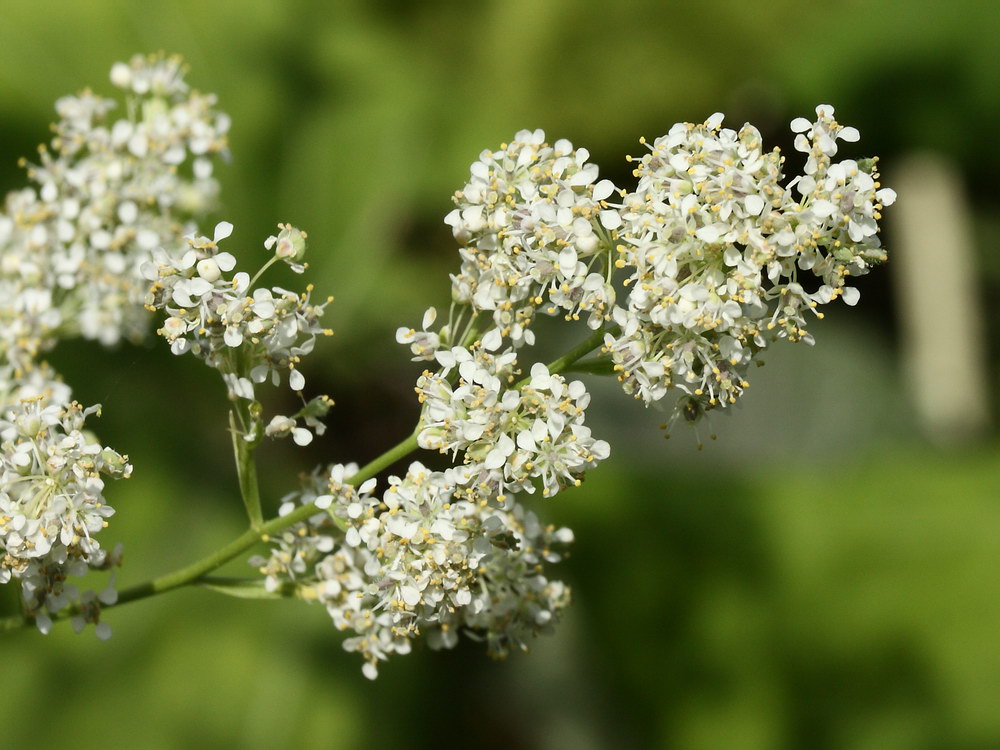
[[717, 256], [529, 221], [723, 258], [251, 335], [52, 504], [37, 380], [510, 436], [420, 560], [104, 193], [299, 548]]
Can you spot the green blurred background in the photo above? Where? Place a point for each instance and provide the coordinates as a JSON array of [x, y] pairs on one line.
[[825, 575]]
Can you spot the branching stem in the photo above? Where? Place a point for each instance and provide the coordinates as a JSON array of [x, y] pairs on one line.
[[262, 530]]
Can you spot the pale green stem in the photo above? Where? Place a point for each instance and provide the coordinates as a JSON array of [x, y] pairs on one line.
[[197, 570], [246, 470], [274, 259], [584, 348]]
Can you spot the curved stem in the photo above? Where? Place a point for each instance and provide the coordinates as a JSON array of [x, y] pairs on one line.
[[196, 571], [274, 259]]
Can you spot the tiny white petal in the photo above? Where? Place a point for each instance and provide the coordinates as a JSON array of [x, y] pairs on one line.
[[222, 230], [233, 336], [43, 622], [754, 204], [226, 261], [823, 208], [708, 233], [353, 537], [603, 189], [886, 196], [495, 459], [800, 125], [410, 595], [492, 340], [611, 219]]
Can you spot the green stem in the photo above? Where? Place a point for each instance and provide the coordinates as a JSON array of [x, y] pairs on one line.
[[196, 571], [391, 456], [274, 259], [580, 351], [246, 470]]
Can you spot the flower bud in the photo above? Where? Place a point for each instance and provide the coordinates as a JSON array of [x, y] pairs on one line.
[[291, 245]]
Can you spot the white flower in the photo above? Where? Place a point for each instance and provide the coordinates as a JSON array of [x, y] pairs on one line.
[[105, 193], [420, 560], [423, 344], [718, 250], [509, 436], [530, 222], [209, 314], [52, 504]]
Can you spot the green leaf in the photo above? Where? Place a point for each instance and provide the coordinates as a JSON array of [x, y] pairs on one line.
[[246, 588]]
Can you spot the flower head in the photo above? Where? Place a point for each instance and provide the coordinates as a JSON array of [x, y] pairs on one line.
[[52, 504], [723, 258], [104, 193], [530, 224]]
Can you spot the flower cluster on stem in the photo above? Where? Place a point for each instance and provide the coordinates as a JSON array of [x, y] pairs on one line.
[[104, 193], [682, 282], [417, 561], [723, 258], [52, 503], [251, 335]]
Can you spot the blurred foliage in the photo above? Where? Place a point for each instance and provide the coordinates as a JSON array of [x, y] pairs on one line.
[[816, 578]]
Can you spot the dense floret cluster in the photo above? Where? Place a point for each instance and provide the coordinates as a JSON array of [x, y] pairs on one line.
[[250, 334], [529, 222], [723, 258], [52, 502], [682, 283], [105, 192], [418, 560]]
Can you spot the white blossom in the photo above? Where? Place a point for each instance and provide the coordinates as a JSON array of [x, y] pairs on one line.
[[104, 193], [531, 221], [52, 503], [251, 335], [419, 560], [424, 344], [509, 436], [724, 258]]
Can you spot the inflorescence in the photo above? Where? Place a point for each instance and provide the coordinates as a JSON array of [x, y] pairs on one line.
[[683, 282]]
